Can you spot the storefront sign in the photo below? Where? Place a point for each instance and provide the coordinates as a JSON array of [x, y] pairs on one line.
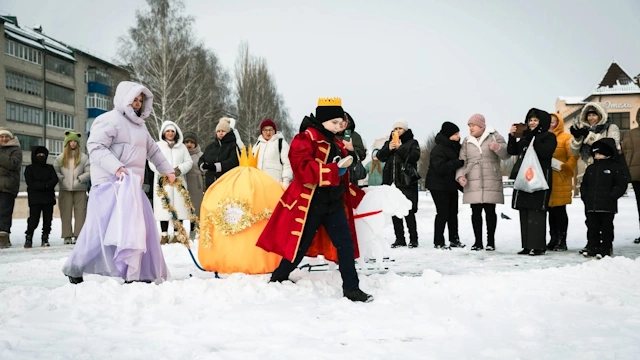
[[612, 105]]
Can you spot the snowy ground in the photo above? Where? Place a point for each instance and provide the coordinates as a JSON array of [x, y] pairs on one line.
[[430, 304]]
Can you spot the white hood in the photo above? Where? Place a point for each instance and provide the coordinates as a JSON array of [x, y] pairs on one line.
[[125, 93], [163, 128]]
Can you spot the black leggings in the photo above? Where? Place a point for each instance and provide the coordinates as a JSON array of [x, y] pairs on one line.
[[558, 219], [476, 221]]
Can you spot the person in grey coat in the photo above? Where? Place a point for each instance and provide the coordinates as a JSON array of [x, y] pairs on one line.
[[533, 206], [481, 177], [195, 176]]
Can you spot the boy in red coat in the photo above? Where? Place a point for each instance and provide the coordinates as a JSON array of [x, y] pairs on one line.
[[315, 214]]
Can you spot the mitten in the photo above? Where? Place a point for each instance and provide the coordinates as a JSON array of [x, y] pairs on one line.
[[574, 131], [177, 171]]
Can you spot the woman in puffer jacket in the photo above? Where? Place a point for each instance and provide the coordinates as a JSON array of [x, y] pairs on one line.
[[533, 206], [177, 154], [72, 168], [562, 179], [273, 153]]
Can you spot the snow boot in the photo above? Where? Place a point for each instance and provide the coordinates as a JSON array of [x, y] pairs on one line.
[[440, 247], [524, 252], [28, 242], [490, 248], [4, 240], [554, 240], [477, 247], [398, 243], [413, 244], [636, 241], [455, 243], [537, 252], [73, 240], [357, 295], [45, 240], [68, 241], [164, 239], [562, 242], [75, 280]]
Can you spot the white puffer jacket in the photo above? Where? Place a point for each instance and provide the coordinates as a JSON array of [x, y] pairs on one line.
[[179, 157], [272, 161]]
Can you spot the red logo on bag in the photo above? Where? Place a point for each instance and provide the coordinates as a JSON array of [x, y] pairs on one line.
[[528, 174]]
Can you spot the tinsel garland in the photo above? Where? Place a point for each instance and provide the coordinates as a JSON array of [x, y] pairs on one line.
[[181, 236], [230, 216]]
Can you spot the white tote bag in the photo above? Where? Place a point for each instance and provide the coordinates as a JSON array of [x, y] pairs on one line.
[[530, 177]]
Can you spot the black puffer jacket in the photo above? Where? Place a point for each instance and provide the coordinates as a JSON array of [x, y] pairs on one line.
[[41, 179], [10, 164], [604, 181], [545, 144], [393, 159], [221, 151], [443, 163]]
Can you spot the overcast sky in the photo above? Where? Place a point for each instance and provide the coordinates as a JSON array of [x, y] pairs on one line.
[[426, 61]]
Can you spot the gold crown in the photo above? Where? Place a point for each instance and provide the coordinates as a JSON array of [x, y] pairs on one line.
[[334, 101], [246, 158]]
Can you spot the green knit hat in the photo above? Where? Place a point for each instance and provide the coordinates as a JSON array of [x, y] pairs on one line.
[[71, 135]]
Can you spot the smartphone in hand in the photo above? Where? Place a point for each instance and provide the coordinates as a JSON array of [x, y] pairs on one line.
[[347, 135]]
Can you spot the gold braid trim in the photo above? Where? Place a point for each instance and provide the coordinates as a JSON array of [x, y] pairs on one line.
[[231, 216], [166, 204]]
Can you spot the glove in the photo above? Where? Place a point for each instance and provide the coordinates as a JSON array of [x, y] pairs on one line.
[[177, 171], [342, 171], [527, 134]]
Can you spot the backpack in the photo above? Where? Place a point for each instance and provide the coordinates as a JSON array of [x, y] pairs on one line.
[[279, 149]]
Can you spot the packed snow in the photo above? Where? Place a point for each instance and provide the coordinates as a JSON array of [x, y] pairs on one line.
[[429, 304]]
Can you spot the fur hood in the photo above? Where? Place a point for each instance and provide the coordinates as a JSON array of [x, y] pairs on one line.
[[599, 109]]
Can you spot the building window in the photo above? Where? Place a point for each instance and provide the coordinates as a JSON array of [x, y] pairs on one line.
[[60, 120], [99, 76], [22, 51], [24, 114], [27, 141], [60, 66], [60, 94], [22, 83], [623, 120], [55, 147], [97, 101]]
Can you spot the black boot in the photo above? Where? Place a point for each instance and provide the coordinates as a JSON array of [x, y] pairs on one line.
[[28, 242], [398, 243], [45, 240], [524, 252], [75, 280], [357, 295], [455, 242], [553, 243], [562, 242]]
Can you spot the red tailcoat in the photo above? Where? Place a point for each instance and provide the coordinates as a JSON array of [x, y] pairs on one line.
[[309, 157]]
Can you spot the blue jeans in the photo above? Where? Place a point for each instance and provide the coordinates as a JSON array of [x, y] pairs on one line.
[[337, 228]]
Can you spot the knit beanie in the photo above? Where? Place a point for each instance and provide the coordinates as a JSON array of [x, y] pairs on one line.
[[5, 131], [190, 136], [71, 135], [329, 109], [224, 124], [601, 147], [449, 129], [401, 123], [268, 122], [477, 119]]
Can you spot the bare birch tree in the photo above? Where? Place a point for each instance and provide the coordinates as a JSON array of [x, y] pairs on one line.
[[257, 97], [189, 85]]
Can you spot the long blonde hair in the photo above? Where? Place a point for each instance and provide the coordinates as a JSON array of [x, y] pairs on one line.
[[68, 152], [375, 165]]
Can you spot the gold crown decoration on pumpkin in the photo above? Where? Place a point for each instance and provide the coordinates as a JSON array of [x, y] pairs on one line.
[[333, 101], [246, 158]]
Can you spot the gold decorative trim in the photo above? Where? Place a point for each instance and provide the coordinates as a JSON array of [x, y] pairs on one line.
[[289, 207]]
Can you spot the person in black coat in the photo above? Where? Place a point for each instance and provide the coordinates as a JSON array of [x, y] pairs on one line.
[[604, 182], [41, 179], [220, 156], [533, 206], [395, 154], [442, 185]]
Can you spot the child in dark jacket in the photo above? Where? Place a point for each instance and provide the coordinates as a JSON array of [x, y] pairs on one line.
[[41, 179], [603, 183]]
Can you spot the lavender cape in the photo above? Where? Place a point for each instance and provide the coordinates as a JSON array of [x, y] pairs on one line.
[[112, 241]]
